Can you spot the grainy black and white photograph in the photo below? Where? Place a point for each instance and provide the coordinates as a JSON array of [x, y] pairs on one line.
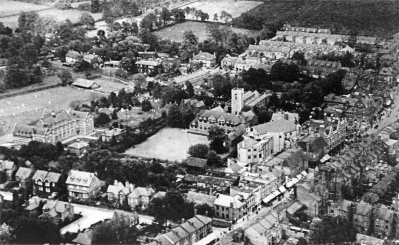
[[199, 122]]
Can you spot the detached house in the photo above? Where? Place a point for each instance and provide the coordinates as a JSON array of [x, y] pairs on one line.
[[209, 60], [140, 196], [7, 170], [251, 150], [383, 221], [23, 176], [83, 184], [58, 211], [45, 183]]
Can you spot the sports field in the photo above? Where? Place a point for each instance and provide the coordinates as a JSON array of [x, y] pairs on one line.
[[8, 8], [71, 14], [168, 144], [175, 33], [235, 8]]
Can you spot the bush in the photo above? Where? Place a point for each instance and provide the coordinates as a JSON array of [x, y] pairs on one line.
[[84, 6], [122, 74]]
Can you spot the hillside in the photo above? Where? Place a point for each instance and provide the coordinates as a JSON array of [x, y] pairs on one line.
[[365, 18]]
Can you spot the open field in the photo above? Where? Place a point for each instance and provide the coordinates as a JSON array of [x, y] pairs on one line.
[[8, 8], [25, 108], [71, 14], [135, 116], [168, 144], [215, 7], [175, 33]]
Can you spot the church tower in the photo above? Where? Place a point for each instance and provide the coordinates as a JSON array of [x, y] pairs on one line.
[[237, 101]]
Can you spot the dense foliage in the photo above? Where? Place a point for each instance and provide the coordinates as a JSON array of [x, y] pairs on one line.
[[367, 18]]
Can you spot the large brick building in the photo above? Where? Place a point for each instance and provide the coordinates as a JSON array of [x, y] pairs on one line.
[[56, 126]]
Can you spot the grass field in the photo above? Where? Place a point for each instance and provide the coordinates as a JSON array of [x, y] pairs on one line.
[[25, 108], [71, 14], [175, 33], [168, 144], [13, 7], [215, 7]]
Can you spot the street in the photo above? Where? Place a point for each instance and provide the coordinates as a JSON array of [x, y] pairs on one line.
[[392, 116]]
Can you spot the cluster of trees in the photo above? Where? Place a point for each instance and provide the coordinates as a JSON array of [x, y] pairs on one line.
[[172, 207], [344, 17], [332, 230], [202, 151]]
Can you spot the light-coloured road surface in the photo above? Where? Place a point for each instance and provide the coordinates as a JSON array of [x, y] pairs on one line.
[[92, 215]]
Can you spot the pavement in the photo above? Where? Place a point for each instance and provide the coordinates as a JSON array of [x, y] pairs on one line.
[[92, 215]]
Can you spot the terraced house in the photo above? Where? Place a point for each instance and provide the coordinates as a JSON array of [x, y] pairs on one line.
[[56, 126], [188, 232]]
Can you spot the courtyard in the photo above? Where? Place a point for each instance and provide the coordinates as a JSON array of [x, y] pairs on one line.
[[168, 144]]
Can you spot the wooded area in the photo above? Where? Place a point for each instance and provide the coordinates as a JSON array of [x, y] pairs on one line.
[[353, 17]]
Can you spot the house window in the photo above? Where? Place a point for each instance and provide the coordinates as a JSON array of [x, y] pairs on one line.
[[48, 190], [249, 157], [40, 188]]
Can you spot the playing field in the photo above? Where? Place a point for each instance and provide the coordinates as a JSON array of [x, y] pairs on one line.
[[8, 8], [71, 14], [27, 107], [168, 144], [175, 33], [235, 8]]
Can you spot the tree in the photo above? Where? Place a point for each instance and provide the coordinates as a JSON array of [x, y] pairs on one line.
[[205, 209], [216, 136], [177, 206], [199, 151], [166, 15], [158, 209], [333, 230], [216, 132], [36, 231], [30, 54], [139, 80], [5, 235], [26, 20], [221, 86], [66, 77], [146, 105], [215, 17], [95, 6], [149, 22], [101, 119], [63, 4], [190, 89], [174, 119], [179, 15], [60, 148], [81, 66], [313, 95], [226, 16], [87, 20], [213, 159]]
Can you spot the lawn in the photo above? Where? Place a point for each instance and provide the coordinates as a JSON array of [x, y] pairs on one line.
[[215, 7], [14, 7], [71, 14], [175, 33], [168, 144], [27, 107]]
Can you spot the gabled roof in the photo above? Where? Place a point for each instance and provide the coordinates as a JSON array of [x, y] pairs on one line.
[[204, 56], [217, 114], [6, 165], [23, 172], [84, 83], [81, 178]]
